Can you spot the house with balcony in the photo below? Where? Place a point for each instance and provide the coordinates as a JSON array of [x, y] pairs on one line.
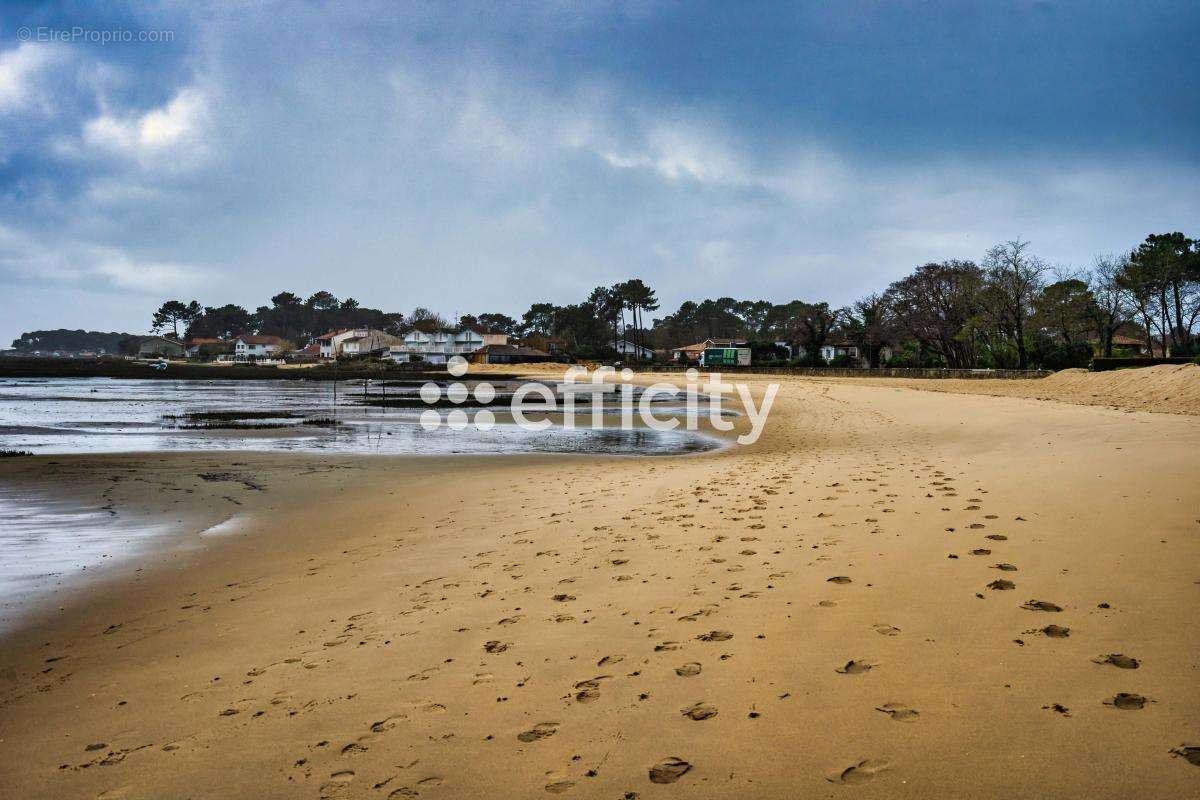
[[331, 343], [436, 347]]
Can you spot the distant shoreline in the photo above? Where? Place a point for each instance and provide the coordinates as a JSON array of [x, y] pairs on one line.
[[347, 371], [180, 370]]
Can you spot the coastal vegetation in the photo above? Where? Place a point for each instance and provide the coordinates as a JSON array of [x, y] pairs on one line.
[[1009, 310]]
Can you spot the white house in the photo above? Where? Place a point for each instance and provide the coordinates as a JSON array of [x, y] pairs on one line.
[[331, 343], [256, 348], [633, 350], [435, 347], [831, 351], [845, 348]]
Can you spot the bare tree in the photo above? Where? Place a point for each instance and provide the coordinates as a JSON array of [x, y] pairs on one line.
[[869, 324], [1143, 287], [814, 324], [425, 320], [937, 306], [1014, 278], [1111, 308]]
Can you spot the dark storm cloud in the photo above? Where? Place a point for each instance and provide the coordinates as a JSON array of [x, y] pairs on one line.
[[483, 157]]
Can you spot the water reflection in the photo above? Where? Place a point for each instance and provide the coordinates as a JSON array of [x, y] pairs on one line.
[[110, 415], [44, 542]]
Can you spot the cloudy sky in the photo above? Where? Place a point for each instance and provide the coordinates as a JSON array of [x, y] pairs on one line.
[[479, 157]]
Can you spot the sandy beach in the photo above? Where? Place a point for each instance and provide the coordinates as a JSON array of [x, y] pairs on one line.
[[895, 593]]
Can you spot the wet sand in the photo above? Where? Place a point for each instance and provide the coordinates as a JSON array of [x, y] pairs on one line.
[[862, 604]]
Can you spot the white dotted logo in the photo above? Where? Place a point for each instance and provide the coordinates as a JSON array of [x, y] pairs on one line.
[[457, 393]]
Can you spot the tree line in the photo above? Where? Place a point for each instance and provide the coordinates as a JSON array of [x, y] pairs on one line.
[[1009, 310], [288, 316], [73, 341]]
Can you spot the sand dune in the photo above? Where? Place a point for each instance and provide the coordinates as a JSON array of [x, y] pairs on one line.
[[893, 594], [1167, 389]]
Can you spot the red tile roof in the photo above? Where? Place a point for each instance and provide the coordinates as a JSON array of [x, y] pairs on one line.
[[698, 346]]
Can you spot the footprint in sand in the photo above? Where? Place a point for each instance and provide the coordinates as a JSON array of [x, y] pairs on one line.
[[1004, 567], [981, 552], [859, 773], [669, 770], [542, 730], [688, 670], [838, 579], [854, 667], [356, 747], [495, 647], [1189, 753], [558, 787], [715, 636], [1001, 585], [886, 630], [1056, 631], [388, 723], [1119, 660], [1127, 701], [337, 786], [699, 711], [1040, 605], [122, 792], [589, 690], [899, 712]]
